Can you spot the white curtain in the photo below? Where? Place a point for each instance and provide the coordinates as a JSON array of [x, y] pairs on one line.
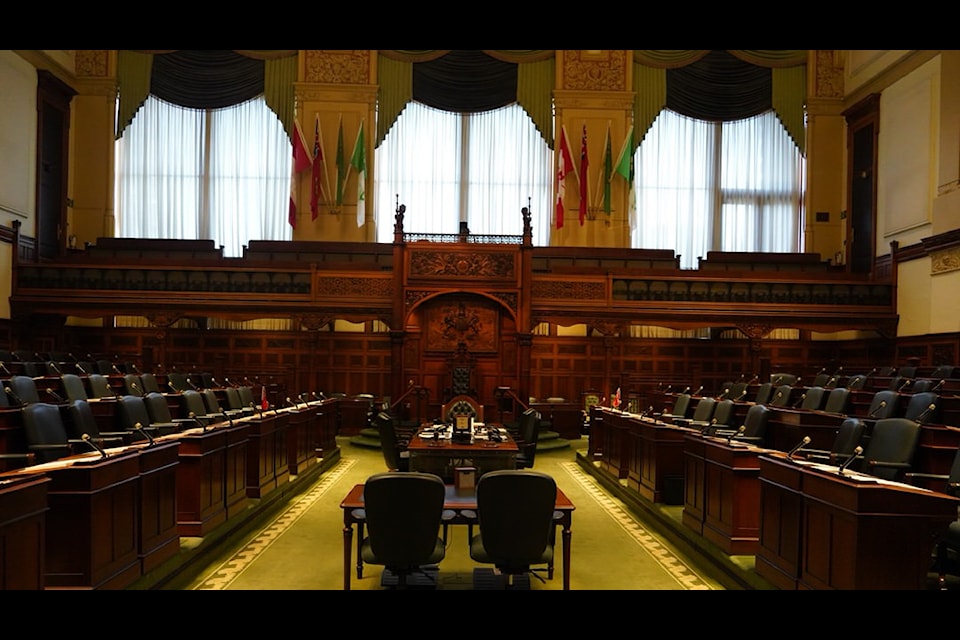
[[194, 174], [449, 167], [703, 186]]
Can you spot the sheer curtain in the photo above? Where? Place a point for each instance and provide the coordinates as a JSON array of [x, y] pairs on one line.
[[221, 174], [732, 186], [481, 168]]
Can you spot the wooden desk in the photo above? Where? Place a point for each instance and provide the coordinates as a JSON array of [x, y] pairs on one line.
[[23, 509], [443, 456], [820, 530], [456, 501]]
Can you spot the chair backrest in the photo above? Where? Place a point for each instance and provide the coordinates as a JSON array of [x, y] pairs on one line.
[[25, 389], [821, 380], [132, 410], [529, 425], [681, 407], [921, 385], [892, 441], [781, 396], [157, 407], [813, 398], [192, 402], [178, 381], [462, 405], [783, 378], [105, 367], [837, 400], [246, 395], [211, 402], [883, 404], [403, 512], [726, 390], [133, 385], [724, 413], [858, 381], [899, 383], [923, 407], [100, 386], [35, 369], [755, 423], [81, 420], [943, 371], [515, 514], [738, 391], [908, 372], [149, 383], [44, 431], [73, 387], [764, 393], [703, 412], [849, 435], [389, 444], [234, 402]]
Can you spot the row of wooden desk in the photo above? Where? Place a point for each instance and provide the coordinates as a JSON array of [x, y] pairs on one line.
[[94, 522], [808, 526]]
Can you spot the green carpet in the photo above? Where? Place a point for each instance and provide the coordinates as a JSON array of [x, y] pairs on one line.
[[302, 547]]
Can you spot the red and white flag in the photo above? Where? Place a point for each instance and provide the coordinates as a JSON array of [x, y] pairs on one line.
[[317, 188], [616, 399], [584, 197], [301, 160], [264, 403], [564, 167]]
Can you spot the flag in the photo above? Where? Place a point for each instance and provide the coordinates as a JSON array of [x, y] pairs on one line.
[[301, 160], [341, 165], [564, 166], [625, 169], [264, 403], [607, 174], [616, 399], [583, 176], [317, 191], [359, 162]]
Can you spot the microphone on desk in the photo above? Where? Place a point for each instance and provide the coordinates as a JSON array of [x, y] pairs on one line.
[[832, 381], [822, 370], [139, 427], [291, 402], [777, 380], [56, 396], [905, 384], [849, 461], [799, 445], [724, 394], [709, 425], [753, 379], [13, 394], [736, 433], [136, 369], [741, 396], [172, 387], [796, 405], [115, 368], [86, 438], [304, 398], [200, 423], [939, 385], [56, 367], [195, 387], [667, 390], [319, 397], [81, 369], [873, 414], [258, 409], [697, 392], [926, 412], [871, 372], [4, 367], [227, 417]]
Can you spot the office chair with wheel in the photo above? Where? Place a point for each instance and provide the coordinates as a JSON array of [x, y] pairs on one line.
[[946, 551], [516, 524], [890, 450], [402, 516], [849, 436], [529, 435]]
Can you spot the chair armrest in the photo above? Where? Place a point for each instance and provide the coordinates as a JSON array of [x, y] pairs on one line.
[[924, 476], [888, 465]]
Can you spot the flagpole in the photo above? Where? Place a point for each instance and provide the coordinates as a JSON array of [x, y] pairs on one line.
[[326, 175]]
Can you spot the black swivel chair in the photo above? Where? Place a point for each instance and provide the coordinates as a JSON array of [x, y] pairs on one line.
[[159, 411], [764, 393], [73, 387], [149, 383], [754, 427], [923, 407], [194, 407], [515, 517], [23, 390], [133, 385], [132, 416], [702, 414], [883, 405], [890, 449], [946, 561], [46, 435], [100, 386], [848, 438], [838, 400], [529, 432], [402, 517], [394, 452], [680, 409], [813, 398], [80, 420]]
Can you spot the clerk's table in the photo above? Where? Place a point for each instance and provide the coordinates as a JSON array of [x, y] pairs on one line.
[[433, 450], [456, 501]]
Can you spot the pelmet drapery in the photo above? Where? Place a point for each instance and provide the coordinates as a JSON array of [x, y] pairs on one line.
[[224, 71]]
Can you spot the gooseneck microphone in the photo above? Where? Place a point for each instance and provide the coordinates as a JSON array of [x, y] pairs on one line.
[[699, 389], [709, 425], [13, 394], [200, 423], [56, 396], [736, 433], [873, 414], [81, 369], [86, 438], [4, 367], [227, 417], [139, 427], [137, 388], [799, 445], [939, 385], [173, 387], [849, 461], [291, 402], [56, 367], [796, 405], [903, 387], [926, 412], [741, 396]]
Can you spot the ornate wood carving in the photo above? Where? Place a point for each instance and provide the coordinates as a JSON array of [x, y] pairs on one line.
[[461, 264]]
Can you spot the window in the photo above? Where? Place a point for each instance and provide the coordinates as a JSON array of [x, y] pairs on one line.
[[193, 174], [481, 168], [731, 186]]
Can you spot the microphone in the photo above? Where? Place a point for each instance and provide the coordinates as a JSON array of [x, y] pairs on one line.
[[685, 389], [753, 379], [301, 397], [697, 392], [871, 372], [926, 412], [779, 395], [736, 433], [144, 432], [849, 461], [137, 388], [172, 387], [873, 414], [81, 369], [709, 425], [741, 396], [939, 385], [13, 394], [777, 380], [800, 445], [201, 423], [135, 368], [56, 367], [796, 405], [227, 416], [291, 402], [215, 383], [832, 381], [259, 409], [905, 384], [319, 397], [190, 382], [723, 394], [115, 369], [740, 379], [86, 438], [56, 396], [4, 367]]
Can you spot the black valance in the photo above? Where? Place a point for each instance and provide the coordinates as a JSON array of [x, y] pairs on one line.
[[465, 81], [719, 87], [206, 78]]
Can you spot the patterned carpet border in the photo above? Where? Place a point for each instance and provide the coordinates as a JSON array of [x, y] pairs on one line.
[[221, 577], [671, 564]]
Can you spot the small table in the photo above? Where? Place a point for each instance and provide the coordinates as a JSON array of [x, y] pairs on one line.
[[460, 503], [442, 456]]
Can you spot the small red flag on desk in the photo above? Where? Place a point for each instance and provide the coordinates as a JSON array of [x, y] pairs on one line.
[[264, 403]]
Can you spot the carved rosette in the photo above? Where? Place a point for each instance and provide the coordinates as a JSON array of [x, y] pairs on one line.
[[337, 66], [601, 70], [461, 264]]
